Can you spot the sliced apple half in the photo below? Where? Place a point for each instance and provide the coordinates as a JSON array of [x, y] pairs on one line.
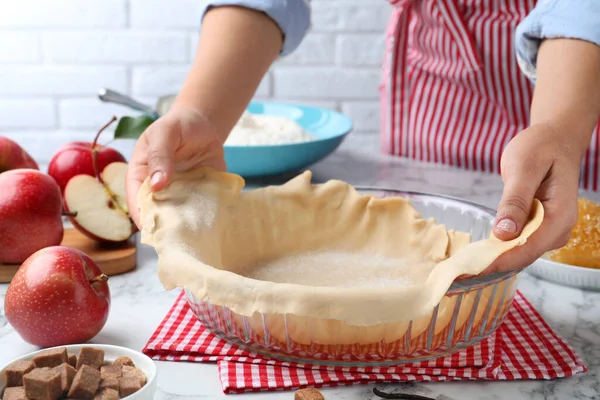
[[114, 176], [99, 206]]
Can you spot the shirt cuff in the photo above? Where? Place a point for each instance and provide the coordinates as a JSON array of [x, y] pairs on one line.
[[555, 19], [292, 17]]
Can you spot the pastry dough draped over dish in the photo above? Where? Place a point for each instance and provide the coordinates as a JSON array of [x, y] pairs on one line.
[[207, 232]]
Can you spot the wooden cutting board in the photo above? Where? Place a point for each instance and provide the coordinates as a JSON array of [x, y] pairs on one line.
[[112, 259]]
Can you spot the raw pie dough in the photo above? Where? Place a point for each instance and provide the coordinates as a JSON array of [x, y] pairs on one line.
[[308, 251]]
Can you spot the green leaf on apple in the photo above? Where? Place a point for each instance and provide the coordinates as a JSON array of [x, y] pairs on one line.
[[132, 127]]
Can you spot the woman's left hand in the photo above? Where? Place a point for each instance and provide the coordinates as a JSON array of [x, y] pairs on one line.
[[540, 162]]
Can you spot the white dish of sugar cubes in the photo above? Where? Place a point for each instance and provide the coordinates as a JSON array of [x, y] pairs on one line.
[[89, 368]]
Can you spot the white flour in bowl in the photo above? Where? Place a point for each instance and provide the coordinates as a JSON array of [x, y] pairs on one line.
[[260, 130]]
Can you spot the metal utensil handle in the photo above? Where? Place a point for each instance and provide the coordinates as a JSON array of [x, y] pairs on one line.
[[110, 96]]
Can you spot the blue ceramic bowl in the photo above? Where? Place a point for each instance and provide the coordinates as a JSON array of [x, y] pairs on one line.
[[329, 127]]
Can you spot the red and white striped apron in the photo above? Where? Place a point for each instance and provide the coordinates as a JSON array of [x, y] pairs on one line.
[[452, 91]]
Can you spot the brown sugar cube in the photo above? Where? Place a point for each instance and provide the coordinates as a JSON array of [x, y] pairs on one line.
[[67, 373], [14, 393], [51, 358], [15, 371], [85, 384], [128, 385], [111, 370], [123, 360], [134, 373], [90, 356], [42, 384], [73, 360], [308, 394], [110, 382], [107, 394]]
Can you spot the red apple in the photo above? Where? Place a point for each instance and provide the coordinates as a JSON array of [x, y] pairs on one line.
[[30, 214], [77, 158], [59, 296], [12, 156], [99, 205]]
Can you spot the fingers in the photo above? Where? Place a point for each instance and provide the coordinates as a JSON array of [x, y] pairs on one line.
[[133, 187], [137, 172], [513, 210], [162, 144], [522, 176], [559, 198], [153, 156], [528, 172]]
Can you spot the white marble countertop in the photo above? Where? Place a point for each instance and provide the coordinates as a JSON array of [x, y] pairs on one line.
[[139, 303]]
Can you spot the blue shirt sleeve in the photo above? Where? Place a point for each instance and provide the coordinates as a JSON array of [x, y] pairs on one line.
[[573, 19], [292, 17]]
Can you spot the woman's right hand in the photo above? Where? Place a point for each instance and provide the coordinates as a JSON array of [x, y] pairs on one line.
[[179, 141]]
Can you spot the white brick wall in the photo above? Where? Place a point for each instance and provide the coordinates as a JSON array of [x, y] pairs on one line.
[[123, 47], [56, 54]]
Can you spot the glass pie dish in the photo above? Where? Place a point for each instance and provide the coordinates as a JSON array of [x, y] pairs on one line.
[[471, 309]]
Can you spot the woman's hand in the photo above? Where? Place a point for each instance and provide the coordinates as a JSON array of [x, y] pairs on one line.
[[179, 141], [236, 47], [544, 160], [541, 163]]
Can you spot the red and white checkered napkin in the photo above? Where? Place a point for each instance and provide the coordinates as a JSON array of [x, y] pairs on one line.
[[524, 347]]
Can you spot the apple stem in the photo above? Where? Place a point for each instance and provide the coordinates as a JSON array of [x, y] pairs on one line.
[[111, 195], [69, 213], [95, 151], [99, 278], [95, 142]]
